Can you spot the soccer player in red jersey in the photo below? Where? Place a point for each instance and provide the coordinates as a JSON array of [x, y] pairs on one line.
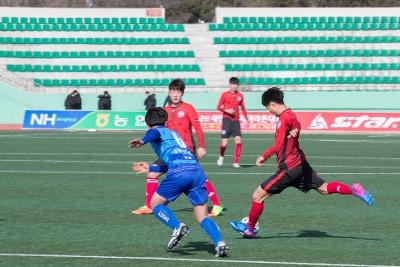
[[181, 118], [293, 168], [229, 106]]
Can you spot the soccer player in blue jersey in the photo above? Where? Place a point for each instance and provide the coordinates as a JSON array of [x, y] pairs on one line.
[[184, 175]]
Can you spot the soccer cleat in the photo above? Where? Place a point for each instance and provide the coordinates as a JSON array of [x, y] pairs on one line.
[[362, 194], [142, 211], [220, 161], [216, 210], [177, 235], [236, 165], [221, 249], [242, 228]]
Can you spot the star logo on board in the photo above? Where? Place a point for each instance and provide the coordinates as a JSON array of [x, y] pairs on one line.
[[318, 123]]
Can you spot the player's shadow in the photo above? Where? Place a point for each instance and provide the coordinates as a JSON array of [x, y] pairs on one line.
[[190, 247], [184, 210], [247, 165], [313, 234], [191, 210]]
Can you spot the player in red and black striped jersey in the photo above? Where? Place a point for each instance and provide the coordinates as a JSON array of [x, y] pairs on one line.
[[293, 168], [182, 117], [229, 104]]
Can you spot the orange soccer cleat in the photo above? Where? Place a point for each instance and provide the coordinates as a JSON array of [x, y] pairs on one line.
[[142, 211]]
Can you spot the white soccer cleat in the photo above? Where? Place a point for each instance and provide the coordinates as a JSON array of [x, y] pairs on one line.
[[221, 249], [177, 235], [236, 165], [220, 161]]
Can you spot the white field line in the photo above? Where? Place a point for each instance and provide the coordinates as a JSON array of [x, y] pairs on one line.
[[88, 136], [208, 173], [202, 163], [192, 260], [151, 154]]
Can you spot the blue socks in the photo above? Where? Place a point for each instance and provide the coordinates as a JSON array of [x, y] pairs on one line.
[[166, 216], [211, 228]]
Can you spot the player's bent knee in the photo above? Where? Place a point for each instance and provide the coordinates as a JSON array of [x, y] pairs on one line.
[[157, 200], [201, 212], [323, 189], [259, 195]]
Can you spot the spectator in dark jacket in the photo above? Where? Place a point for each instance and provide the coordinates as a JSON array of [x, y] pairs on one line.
[[150, 101], [104, 101], [167, 101], [73, 101]]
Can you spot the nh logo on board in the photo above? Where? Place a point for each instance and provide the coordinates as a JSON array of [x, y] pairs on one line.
[[43, 119]]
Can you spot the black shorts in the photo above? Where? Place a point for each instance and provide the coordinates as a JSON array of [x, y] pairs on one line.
[[303, 177], [230, 128]]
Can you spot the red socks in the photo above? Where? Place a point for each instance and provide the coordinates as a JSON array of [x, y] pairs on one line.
[[238, 152], [222, 150], [338, 188], [212, 194], [151, 187], [254, 214]]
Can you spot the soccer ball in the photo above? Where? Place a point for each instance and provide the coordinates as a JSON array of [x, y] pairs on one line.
[[246, 221]]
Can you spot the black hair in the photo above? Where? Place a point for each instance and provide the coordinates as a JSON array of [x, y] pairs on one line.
[[156, 116], [273, 94], [177, 84], [234, 80]]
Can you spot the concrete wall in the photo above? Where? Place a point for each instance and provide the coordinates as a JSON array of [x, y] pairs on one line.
[[13, 101]]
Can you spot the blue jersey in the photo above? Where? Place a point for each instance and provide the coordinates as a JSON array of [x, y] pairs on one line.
[[170, 148]]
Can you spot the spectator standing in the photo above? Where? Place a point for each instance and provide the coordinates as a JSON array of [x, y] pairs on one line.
[[104, 101], [73, 101], [150, 101]]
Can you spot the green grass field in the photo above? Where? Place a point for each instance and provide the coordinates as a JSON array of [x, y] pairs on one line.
[[71, 193]]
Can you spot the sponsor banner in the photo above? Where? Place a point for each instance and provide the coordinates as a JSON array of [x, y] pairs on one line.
[[350, 121], [313, 121], [51, 119], [112, 120], [258, 121], [83, 120]]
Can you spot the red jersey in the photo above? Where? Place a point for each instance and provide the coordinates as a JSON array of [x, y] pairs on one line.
[[181, 119], [287, 150], [228, 100]]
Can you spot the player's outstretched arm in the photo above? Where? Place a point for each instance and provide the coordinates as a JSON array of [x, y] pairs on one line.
[[266, 155], [293, 133], [135, 143], [260, 161], [201, 152], [140, 167]]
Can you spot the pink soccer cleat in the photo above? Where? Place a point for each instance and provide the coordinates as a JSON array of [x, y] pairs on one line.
[[362, 194]]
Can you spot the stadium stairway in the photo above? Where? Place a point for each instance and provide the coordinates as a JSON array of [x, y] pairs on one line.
[[124, 55], [207, 56]]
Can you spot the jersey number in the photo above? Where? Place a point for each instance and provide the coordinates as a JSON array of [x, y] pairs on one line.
[[179, 140]]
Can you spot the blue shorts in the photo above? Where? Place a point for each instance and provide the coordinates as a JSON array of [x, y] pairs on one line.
[[191, 181]]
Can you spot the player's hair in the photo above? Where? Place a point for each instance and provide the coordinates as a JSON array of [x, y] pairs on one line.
[[177, 84], [234, 80], [273, 94], [156, 116]]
